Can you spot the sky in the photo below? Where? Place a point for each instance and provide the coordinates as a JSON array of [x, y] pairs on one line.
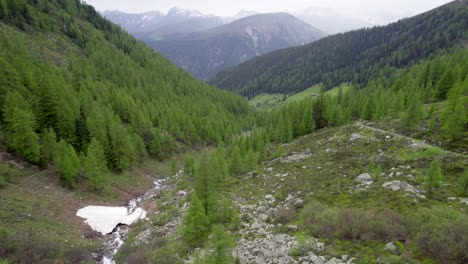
[[370, 9]]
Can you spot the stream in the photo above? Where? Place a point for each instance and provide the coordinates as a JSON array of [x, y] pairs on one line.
[[114, 222]]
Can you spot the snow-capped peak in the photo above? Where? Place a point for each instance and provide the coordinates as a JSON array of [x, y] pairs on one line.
[[176, 11]]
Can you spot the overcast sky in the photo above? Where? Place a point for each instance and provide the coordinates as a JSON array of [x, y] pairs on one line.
[[360, 8]]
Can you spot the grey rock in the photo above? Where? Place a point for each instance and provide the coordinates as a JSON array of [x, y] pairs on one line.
[[364, 178], [392, 248], [463, 200], [355, 136]]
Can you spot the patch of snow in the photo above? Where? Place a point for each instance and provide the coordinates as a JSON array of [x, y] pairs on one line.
[[104, 219]]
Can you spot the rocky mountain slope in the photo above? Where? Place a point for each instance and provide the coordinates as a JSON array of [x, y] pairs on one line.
[[205, 53], [356, 56]]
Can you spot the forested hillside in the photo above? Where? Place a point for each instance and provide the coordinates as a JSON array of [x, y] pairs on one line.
[[207, 52], [357, 56], [68, 75]]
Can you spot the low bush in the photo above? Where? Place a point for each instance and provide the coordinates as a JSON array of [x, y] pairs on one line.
[[353, 223], [285, 215]]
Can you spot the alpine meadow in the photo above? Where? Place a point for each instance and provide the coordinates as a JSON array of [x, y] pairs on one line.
[[304, 146]]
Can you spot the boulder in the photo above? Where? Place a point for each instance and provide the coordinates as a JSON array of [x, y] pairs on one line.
[[364, 179], [393, 185], [355, 136], [392, 248]]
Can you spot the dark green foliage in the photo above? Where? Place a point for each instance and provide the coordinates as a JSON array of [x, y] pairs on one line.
[[357, 56]]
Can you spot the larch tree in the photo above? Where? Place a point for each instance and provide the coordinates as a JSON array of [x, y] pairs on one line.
[[20, 126], [67, 162], [196, 224], [413, 115], [433, 178], [95, 165]]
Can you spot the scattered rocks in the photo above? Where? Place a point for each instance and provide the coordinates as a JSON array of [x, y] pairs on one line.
[[364, 181], [392, 248], [270, 198], [405, 186], [364, 178], [296, 157], [355, 136]]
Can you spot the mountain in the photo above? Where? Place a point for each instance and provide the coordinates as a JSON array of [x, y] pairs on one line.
[[205, 53], [239, 15], [355, 56], [156, 25], [84, 79], [330, 21]]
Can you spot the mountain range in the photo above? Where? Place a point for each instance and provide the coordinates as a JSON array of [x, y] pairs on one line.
[[205, 53], [356, 56], [204, 45]]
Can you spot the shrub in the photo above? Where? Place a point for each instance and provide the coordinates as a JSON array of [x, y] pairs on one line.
[[354, 223], [442, 235], [2, 182], [285, 215]]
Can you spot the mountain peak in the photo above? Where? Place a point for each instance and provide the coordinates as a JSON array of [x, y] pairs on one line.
[[177, 11]]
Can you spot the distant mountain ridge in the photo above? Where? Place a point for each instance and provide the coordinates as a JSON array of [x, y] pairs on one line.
[[205, 53], [356, 56], [176, 22]]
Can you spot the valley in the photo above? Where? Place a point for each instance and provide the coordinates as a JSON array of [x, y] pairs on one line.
[[305, 148]]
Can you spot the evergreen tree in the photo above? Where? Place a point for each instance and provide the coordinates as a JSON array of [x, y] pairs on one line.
[[221, 245], [445, 84], [413, 115], [236, 164], [433, 177], [250, 160], [189, 165], [67, 163], [20, 125], [48, 145], [95, 165], [454, 114], [196, 223]]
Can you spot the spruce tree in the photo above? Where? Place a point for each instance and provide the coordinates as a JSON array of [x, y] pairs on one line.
[[462, 183]]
